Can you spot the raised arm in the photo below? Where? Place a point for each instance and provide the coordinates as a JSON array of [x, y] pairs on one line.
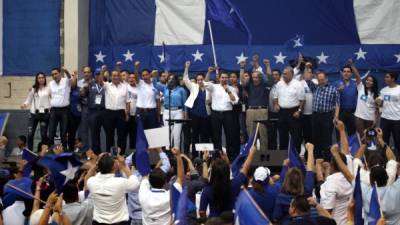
[[342, 166], [355, 71], [208, 74], [343, 137], [136, 66], [185, 78], [241, 73], [205, 165], [247, 164], [310, 157], [180, 175], [29, 99], [118, 66]]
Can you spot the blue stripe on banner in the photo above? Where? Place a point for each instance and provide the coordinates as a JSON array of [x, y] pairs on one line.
[[31, 36]]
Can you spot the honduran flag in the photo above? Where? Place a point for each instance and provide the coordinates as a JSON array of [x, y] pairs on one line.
[[332, 31], [29, 36]]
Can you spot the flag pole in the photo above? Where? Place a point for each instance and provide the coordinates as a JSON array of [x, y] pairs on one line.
[[256, 133], [24, 192], [31, 152], [359, 143], [213, 47]]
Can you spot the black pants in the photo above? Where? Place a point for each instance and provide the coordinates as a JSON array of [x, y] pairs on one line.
[[120, 223], [96, 121], [115, 119], [391, 128], [41, 119], [322, 128], [306, 127], [148, 117], [187, 136], [348, 118], [273, 131], [59, 116], [288, 124], [200, 132], [131, 131], [226, 119], [73, 125]]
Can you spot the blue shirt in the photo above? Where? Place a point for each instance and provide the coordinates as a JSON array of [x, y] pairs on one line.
[[349, 95], [75, 102], [207, 196], [199, 105], [178, 95], [266, 200]]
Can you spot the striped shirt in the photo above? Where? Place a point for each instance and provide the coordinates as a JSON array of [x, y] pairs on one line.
[[325, 98]]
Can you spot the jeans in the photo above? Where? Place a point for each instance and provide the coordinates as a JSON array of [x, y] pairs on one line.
[[37, 119], [59, 116], [96, 121]]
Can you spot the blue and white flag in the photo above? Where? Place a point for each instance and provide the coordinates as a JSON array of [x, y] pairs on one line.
[[129, 30], [295, 44], [63, 168], [10, 193], [28, 156], [30, 36], [244, 152], [294, 157], [142, 156], [374, 208], [248, 212], [354, 143], [357, 196]]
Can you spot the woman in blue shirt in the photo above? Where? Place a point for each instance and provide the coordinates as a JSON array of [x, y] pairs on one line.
[[221, 192], [176, 108]]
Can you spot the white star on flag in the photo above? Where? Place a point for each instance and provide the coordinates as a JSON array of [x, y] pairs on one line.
[[197, 56], [398, 57], [231, 11], [322, 58], [241, 58], [280, 58], [70, 172], [100, 57], [297, 43], [128, 55], [360, 54], [162, 57]]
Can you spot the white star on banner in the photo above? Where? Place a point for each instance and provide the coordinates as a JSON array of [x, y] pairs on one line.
[[69, 173], [100, 57], [360, 54], [322, 58], [297, 43], [280, 58], [197, 56], [162, 57], [241, 58], [128, 55], [398, 57]]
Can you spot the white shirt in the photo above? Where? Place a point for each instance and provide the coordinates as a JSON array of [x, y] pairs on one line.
[[289, 95], [156, 206], [132, 99], [12, 215], [39, 100], [308, 95], [391, 103], [365, 104], [109, 197], [335, 194], [391, 170], [220, 98], [116, 96], [147, 95], [271, 98], [60, 92]]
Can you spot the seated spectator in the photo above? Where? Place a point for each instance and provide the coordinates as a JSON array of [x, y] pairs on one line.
[[299, 212]]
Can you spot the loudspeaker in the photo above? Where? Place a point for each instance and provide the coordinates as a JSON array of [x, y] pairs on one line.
[[270, 158]]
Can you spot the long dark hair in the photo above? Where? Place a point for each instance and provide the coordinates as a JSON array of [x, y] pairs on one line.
[[220, 183], [36, 84], [374, 88]]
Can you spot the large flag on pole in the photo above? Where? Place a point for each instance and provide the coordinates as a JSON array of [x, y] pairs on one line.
[[374, 208], [142, 156], [294, 157], [239, 160], [248, 212]]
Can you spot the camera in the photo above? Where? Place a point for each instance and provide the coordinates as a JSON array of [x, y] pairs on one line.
[[371, 132]]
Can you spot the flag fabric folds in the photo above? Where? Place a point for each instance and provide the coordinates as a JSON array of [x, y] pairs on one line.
[[63, 168], [10, 193], [142, 156], [357, 196], [294, 157], [374, 208], [29, 156], [239, 160], [248, 212], [354, 144]]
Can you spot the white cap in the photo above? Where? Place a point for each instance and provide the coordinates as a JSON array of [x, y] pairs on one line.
[[261, 173]]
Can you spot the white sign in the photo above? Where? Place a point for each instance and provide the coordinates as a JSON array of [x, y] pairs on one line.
[[204, 147], [157, 137]]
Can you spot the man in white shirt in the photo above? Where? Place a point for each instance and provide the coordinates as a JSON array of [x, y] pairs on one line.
[[156, 202], [289, 101], [13, 214], [389, 100], [132, 98], [60, 88], [146, 104], [117, 111], [108, 192], [223, 98]]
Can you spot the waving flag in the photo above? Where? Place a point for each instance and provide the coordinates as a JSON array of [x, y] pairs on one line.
[[11, 193], [295, 44], [365, 30], [142, 156], [357, 196], [294, 157], [184, 206], [374, 208], [248, 212], [354, 143], [63, 168], [244, 152], [29, 156]]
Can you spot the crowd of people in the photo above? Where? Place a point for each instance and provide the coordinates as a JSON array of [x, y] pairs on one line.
[[298, 105]]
